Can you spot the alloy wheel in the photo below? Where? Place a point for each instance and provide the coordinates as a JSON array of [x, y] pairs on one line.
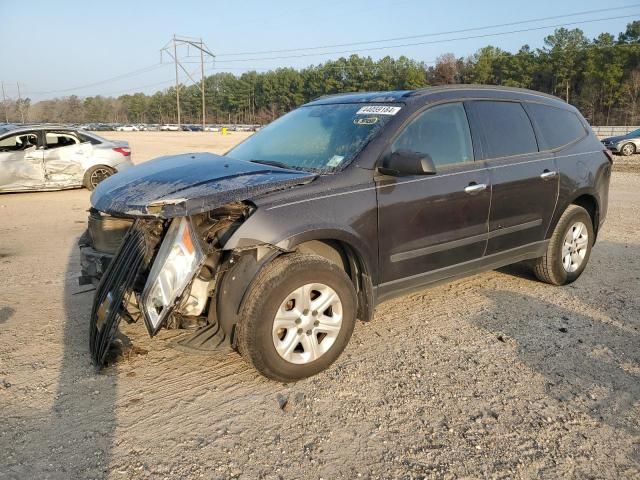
[[628, 149], [99, 175], [574, 247], [307, 323]]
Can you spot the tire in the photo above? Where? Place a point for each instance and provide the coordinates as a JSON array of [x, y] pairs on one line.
[[95, 175], [554, 267], [273, 292], [628, 149]]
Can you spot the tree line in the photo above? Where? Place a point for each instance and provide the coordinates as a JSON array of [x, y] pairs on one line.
[[600, 76]]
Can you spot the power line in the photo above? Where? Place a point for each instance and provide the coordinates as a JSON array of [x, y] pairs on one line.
[[435, 34], [432, 42], [133, 73], [330, 67], [158, 65]]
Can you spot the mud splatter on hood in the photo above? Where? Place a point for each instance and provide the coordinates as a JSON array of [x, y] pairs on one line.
[[188, 184]]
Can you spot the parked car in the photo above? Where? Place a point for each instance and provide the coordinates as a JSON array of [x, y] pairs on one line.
[[128, 128], [50, 157], [276, 248], [169, 128], [626, 145]]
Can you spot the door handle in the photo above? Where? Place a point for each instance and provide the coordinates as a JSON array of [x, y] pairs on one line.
[[548, 175], [474, 188]]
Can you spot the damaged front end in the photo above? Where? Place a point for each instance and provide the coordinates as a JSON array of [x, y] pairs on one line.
[[165, 272], [156, 236]]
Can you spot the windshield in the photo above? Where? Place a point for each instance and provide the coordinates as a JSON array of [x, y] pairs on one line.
[[635, 133], [318, 138]]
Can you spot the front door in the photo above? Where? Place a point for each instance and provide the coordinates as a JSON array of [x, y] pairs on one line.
[[428, 224], [64, 157], [21, 165], [524, 180]]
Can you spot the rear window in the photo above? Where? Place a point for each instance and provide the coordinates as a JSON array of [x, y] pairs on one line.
[[507, 128], [558, 127]]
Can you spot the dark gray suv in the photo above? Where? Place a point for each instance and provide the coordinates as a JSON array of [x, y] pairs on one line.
[[276, 248]]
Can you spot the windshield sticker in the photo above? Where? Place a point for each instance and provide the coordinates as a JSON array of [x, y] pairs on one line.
[[335, 161], [365, 121], [378, 110]]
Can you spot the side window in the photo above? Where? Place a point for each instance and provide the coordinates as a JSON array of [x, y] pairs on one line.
[[60, 139], [15, 143], [442, 132], [86, 138], [558, 127], [507, 128]]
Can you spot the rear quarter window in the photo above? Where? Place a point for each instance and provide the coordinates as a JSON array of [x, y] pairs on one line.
[[558, 127], [506, 127]]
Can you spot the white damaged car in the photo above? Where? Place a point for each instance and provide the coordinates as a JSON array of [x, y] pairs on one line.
[[52, 157]]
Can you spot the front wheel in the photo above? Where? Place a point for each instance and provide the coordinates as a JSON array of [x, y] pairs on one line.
[[569, 248], [628, 149], [298, 318]]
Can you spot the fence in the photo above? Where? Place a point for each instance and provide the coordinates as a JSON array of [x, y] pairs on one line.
[[612, 131]]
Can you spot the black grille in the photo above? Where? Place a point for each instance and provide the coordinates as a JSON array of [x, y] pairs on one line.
[[114, 285]]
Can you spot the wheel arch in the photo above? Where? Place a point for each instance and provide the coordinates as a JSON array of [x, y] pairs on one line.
[[243, 265], [352, 262], [586, 199]]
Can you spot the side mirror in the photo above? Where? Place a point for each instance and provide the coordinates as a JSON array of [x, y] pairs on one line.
[[405, 162]]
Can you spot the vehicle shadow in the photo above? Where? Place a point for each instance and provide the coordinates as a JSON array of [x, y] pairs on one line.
[[80, 428], [585, 341]]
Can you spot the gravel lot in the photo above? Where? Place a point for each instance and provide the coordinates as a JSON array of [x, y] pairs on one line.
[[495, 375]]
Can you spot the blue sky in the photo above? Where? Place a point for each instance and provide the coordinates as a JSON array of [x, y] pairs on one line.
[[57, 46]]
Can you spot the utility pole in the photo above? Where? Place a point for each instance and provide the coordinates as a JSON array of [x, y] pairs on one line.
[[202, 86], [20, 103], [175, 58], [205, 55], [4, 105]]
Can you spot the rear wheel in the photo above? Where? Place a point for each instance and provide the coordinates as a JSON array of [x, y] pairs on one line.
[[298, 317], [628, 149], [95, 175], [569, 248]]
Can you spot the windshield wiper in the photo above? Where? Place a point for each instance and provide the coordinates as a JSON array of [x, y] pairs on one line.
[[275, 163]]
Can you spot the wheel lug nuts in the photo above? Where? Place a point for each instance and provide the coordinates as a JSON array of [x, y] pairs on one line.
[[299, 331], [316, 323], [308, 332], [298, 321], [305, 311]]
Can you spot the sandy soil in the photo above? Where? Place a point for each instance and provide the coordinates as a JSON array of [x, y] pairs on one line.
[[496, 375], [147, 145]]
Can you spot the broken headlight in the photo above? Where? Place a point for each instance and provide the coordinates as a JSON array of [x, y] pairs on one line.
[[177, 261]]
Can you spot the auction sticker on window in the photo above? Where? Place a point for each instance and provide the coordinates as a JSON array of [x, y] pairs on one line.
[[378, 110]]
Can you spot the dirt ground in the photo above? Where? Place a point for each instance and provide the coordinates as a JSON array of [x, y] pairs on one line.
[[147, 145], [496, 375]]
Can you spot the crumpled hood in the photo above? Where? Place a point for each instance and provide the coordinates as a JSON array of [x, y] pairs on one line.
[[188, 184]]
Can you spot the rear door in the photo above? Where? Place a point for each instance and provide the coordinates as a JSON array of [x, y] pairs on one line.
[[21, 166], [524, 179], [429, 223], [64, 158]]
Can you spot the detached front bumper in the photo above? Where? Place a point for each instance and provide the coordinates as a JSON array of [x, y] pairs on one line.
[[99, 244], [93, 264]]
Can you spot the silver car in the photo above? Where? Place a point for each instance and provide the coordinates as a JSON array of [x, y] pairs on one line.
[[51, 157], [626, 145]]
